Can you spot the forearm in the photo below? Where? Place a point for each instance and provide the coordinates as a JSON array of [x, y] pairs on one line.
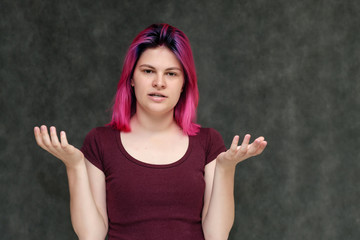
[[87, 221], [221, 212]]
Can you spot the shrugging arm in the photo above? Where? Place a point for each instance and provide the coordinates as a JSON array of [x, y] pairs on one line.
[[219, 206], [88, 210]]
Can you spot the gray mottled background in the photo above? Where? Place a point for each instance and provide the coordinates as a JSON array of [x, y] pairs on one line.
[[288, 70]]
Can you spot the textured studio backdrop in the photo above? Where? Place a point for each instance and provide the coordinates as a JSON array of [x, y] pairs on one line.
[[288, 70]]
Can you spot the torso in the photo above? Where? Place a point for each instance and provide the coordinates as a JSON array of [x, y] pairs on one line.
[[162, 148], [159, 202]]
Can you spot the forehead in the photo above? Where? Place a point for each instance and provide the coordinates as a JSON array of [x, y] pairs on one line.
[[159, 57]]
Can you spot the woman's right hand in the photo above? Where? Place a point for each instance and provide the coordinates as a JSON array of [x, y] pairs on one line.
[[68, 154]]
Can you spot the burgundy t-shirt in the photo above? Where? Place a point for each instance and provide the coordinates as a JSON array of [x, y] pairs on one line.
[[148, 201]]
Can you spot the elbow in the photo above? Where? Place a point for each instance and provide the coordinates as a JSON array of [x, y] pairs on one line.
[[91, 235], [216, 233], [216, 236], [90, 230]]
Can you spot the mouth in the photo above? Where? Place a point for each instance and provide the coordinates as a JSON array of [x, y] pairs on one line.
[[157, 95]]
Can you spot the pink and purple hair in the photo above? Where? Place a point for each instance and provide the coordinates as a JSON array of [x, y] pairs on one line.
[[124, 106]]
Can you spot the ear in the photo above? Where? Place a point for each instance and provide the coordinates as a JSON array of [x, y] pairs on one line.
[[132, 82]]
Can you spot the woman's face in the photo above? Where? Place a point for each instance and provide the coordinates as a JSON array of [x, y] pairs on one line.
[[158, 80]]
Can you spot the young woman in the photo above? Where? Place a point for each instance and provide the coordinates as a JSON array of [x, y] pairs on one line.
[[152, 172]]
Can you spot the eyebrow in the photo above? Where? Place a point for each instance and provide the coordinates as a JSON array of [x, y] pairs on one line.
[[170, 68]]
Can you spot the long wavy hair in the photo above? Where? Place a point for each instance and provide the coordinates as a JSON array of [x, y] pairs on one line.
[[124, 106]]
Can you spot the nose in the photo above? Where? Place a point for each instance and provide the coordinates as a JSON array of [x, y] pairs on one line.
[[159, 82]]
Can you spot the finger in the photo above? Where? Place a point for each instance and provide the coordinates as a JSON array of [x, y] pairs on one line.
[[254, 147], [38, 137], [258, 141], [63, 139], [245, 143], [54, 137], [261, 138], [45, 136], [261, 148], [234, 143]]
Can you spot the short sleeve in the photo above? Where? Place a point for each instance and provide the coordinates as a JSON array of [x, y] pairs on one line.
[[92, 149], [215, 145]]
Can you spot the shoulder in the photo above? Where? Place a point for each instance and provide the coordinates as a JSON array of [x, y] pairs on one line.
[[211, 142], [100, 139], [101, 134], [208, 135], [101, 131]]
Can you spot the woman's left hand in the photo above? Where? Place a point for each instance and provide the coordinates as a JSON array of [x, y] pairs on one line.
[[236, 154]]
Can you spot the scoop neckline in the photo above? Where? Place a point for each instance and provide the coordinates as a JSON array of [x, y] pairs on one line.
[[150, 165]]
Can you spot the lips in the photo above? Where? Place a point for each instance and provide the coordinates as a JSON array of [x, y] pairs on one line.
[[155, 94]]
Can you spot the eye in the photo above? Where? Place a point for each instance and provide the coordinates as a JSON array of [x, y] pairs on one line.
[[148, 71], [172, 74]]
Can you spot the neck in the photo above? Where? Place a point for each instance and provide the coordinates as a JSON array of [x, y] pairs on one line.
[[145, 123]]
